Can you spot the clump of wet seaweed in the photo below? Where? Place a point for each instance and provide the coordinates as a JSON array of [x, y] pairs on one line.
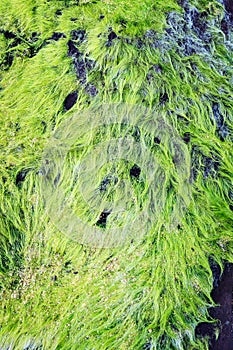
[[57, 59]]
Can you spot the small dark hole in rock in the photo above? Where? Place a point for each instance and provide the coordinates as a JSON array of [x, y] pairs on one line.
[[186, 137], [112, 35], [102, 222], [34, 35], [58, 13], [135, 171], [21, 176], [157, 140], [44, 125], [67, 263], [163, 98], [17, 126]]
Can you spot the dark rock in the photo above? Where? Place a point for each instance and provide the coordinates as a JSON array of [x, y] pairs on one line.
[[108, 180], [81, 64], [123, 23], [57, 36], [147, 346], [44, 125], [101, 17], [151, 34], [157, 68], [163, 98], [34, 36], [8, 34], [157, 141], [201, 164], [211, 166], [72, 49], [230, 194], [221, 294], [136, 134], [4, 179], [16, 40], [21, 176], [111, 36], [9, 59], [216, 271], [58, 13], [199, 23], [229, 6], [102, 222], [104, 184], [70, 100], [17, 127], [67, 263], [188, 45], [135, 171], [186, 137], [224, 26], [222, 129], [216, 112], [32, 346], [57, 179], [81, 70], [182, 3], [91, 90], [140, 43], [78, 35]]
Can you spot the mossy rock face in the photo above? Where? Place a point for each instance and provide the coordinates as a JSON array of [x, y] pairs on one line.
[[61, 61]]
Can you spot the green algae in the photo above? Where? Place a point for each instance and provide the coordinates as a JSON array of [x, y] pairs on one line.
[[58, 293]]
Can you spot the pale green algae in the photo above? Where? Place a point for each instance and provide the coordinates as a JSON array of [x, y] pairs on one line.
[[154, 292]]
